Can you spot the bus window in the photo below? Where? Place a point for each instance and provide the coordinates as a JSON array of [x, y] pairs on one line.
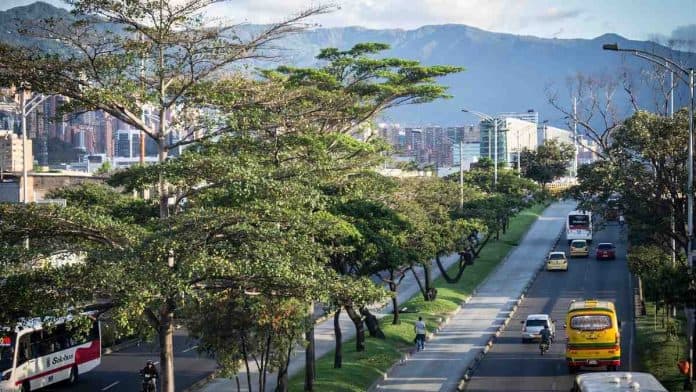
[[579, 221], [25, 353], [590, 322]]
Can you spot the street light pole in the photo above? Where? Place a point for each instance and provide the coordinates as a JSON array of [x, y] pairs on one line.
[[688, 77], [461, 171], [25, 173], [575, 136], [495, 154]]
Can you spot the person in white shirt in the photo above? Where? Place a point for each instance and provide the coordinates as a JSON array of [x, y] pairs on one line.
[[419, 328]]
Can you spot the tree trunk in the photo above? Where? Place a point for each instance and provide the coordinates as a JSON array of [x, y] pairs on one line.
[[309, 360], [420, 285], [372, 323], [282, 384], [427, 272], [166, 341], [246, 360], [357, 320], [395, 304], [338, 352]]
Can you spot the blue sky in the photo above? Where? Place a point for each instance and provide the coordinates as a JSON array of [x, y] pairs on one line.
[[635, 19]]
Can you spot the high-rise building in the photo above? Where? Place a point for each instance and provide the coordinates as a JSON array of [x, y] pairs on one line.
[[547, 132], [127, 143], [12, 153], [514, 135]]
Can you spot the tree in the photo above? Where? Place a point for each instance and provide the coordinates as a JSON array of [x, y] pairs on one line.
[[121, 58], [646, 166], [548, 162], [104, 169]]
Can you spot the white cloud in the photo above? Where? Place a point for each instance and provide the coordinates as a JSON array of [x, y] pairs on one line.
[[499, 15]]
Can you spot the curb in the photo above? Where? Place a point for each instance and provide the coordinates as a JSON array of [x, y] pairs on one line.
[[198, 385], [121, 346], [491, 339], [475, 363]]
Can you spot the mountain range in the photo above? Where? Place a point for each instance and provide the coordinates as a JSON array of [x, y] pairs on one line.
[[503, 72]]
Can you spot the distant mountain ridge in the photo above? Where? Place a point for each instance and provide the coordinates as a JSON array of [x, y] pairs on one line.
[[504, 72]]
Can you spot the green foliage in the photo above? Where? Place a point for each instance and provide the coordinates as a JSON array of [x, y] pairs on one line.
[[548, 162], [657, 354], [645, 166], [361, 369]]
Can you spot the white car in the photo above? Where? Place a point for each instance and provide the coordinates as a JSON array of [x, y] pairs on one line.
[[531, 328]]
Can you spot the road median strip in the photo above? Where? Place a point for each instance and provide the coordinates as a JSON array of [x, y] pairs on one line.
[[475, 363], [397, 349]]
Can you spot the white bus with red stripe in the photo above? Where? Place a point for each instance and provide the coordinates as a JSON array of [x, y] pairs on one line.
[[33, 356], [579, 226]]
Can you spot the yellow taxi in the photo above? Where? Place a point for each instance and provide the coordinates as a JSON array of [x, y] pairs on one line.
[[579, 248], [557, 261]]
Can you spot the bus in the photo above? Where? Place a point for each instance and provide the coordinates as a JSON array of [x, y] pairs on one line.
[[594, 337], [617, 381], [34, 355], [579, 226]]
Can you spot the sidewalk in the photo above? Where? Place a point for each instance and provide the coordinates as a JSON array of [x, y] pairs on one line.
[[540, 236], [448, 354]]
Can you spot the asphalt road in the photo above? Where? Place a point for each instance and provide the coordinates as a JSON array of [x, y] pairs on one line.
[[513, 366], [118, 372]]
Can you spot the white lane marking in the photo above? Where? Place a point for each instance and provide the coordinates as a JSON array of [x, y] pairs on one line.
[[189, 349], [111, 385]]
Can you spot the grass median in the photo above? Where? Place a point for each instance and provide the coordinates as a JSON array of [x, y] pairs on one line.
[[361, 369], [657, 354]]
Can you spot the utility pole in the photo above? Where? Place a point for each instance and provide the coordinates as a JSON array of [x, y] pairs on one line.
[[461, 171], [575, 136], [495, 158], [25, 175]]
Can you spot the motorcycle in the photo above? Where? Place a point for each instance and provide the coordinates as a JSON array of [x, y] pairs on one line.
[[149, 383], [544, 347]]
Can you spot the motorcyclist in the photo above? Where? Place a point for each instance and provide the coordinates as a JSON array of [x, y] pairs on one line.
[[545, 335], [150, 376]]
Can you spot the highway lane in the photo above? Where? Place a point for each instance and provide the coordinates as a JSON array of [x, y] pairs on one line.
[[118, 372], [513, 366]]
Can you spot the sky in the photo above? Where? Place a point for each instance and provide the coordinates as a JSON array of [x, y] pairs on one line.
[[633, 19]]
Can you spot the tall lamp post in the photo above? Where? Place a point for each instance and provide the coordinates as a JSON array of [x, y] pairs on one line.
[[687, 76], [486, 117], [26, 107], [461, 168]]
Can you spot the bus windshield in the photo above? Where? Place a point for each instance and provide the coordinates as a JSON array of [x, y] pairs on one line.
[[6, 352], [579, 221]]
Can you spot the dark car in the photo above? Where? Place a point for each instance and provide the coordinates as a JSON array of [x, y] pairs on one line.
[[606, 250]]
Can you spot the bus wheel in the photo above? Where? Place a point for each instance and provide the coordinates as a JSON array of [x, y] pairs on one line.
[[611, 368], [73, 376], [572, 369], [26, 387]]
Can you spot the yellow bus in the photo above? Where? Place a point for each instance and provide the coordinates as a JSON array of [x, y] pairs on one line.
[[593, 334]]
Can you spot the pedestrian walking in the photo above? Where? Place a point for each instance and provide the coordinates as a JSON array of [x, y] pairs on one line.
[[419, 328]]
